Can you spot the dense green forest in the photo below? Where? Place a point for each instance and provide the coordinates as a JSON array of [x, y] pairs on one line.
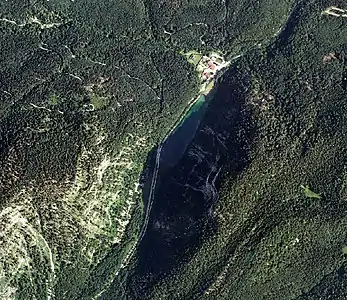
[[88, 89], [280, 216]]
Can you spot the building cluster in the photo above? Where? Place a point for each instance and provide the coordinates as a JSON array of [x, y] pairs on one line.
[[210, 65]]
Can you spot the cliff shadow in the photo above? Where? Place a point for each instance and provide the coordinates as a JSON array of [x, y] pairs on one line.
[[182, 212]]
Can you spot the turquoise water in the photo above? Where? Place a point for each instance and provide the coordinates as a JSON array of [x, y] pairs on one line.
[[176, 144], [197, 105]]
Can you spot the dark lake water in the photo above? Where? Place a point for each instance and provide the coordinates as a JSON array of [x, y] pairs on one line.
[[177, 143]]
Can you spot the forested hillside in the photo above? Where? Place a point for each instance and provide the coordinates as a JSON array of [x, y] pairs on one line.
[[88, 89], [276, 230]]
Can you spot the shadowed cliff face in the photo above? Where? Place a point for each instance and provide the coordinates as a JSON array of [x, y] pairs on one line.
[[182, 213]]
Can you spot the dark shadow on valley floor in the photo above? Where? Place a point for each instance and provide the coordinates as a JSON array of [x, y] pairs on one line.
[[182, 212]]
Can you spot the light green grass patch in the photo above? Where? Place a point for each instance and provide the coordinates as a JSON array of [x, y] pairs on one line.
[[53, 100], [309, 193], [193, 57], [98, 102]]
